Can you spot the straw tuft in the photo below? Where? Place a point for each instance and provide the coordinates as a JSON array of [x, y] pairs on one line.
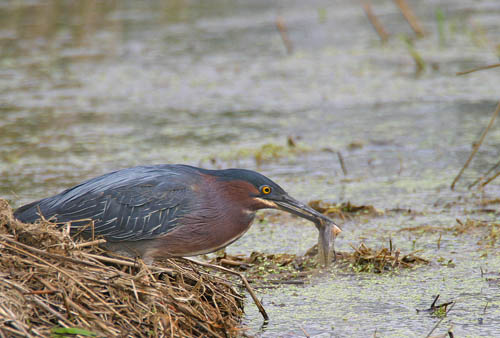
[[53, 285]]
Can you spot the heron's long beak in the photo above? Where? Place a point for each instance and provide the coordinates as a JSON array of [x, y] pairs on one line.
[[295, 207], [328, 230]]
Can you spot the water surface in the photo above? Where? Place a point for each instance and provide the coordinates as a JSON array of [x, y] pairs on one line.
[[88, 87]]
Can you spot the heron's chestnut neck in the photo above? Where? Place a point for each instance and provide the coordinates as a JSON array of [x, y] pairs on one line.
[[240, 196]]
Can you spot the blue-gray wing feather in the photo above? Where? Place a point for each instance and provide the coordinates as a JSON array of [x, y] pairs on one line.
[[127, 205]]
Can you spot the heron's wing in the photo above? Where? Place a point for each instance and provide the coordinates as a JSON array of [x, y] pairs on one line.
[[122, 207], [129, 213]]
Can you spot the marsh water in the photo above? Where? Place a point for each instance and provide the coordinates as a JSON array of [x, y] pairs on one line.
[[92, 86]]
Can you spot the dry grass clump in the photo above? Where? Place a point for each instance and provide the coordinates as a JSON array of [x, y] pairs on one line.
[[365, 259], [51, 285]]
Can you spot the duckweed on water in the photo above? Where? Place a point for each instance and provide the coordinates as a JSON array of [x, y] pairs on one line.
[[264, 268]]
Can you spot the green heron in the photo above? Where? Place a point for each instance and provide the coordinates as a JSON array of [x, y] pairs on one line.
[[170, 210]]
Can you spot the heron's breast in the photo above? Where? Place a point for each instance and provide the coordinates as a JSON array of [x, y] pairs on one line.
[[195, 236], [218, 215]]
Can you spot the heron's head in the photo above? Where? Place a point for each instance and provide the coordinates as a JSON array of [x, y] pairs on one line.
[[261, 192]]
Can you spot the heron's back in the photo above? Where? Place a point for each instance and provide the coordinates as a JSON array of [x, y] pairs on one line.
[[129, 204]]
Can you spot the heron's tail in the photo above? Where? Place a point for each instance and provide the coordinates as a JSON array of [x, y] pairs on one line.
[[28, 213]]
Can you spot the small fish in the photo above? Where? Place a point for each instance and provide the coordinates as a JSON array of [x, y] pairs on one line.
[[328, 231]]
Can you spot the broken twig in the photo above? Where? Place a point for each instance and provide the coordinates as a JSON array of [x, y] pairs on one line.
[[478, 69], [410, 17], [243, 279], [433, 308], [495, 166], [342, 163], [280, 24], [377, 25], [439, 322], [477, 145]]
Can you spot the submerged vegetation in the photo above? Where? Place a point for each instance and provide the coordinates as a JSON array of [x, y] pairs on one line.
[[275, 269], [489, 232], [265, 153], [344, 210]]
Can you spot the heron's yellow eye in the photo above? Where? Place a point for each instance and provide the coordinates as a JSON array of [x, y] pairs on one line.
[[265, 189]]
